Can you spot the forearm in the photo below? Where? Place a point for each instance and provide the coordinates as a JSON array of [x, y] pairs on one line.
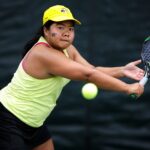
[[107, 82], [116, 72]]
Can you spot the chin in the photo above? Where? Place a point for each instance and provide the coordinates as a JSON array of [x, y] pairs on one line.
[[62, 46], [65, 46]]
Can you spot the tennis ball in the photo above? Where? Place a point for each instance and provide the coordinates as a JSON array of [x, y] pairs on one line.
[[89, 91]]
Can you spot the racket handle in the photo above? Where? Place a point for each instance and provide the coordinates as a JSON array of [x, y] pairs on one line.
[[133, 96], [142, 82]]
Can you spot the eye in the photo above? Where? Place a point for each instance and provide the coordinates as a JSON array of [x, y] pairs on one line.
[[71, 29], [61, 28]]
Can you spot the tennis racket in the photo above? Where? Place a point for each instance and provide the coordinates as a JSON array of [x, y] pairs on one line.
[[145, 56]]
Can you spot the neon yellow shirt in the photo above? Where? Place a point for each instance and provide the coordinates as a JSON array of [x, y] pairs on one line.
[[31, 99]]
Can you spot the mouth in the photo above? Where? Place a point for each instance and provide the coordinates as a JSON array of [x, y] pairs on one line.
[[65, 40]]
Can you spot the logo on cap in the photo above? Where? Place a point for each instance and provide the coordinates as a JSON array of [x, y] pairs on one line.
[[64, 10]]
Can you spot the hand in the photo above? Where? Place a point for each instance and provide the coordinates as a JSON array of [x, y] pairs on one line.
[[132, 71], [136, 89]]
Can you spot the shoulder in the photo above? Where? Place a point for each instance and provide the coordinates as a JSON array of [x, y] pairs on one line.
[[41, 58], [72, 48], [43, 53], [72, 51]]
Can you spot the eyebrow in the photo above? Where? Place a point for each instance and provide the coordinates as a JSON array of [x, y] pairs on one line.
[[62, 23]]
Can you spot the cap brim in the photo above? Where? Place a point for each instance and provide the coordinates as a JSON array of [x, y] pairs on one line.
[[58, 19]]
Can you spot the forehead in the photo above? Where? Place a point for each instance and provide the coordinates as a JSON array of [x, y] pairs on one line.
[[66, 23]]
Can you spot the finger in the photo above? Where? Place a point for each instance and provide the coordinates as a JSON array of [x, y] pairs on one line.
[[137, 62], [142, 72]]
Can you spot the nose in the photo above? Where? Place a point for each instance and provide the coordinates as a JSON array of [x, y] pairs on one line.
[[66, 33]]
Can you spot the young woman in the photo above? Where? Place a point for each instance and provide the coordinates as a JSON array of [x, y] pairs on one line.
[[50, 61]]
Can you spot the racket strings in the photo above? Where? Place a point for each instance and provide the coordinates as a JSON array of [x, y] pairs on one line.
[[146, 52], [146, 56], [147, 68]]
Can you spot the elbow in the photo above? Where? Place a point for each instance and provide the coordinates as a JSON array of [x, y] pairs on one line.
[[87, 74], [90, 76]]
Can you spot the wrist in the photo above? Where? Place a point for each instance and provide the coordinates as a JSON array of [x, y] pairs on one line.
[[126, 89], [122, 74]]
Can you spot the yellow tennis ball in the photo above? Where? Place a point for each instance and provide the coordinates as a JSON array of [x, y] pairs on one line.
[[89, 91]]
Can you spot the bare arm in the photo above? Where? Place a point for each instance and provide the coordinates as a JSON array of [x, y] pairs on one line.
[[56, 63], [130, 70], [116, 72], [112, 71]]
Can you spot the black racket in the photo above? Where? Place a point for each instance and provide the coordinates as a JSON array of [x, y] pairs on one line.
[[145, 56]]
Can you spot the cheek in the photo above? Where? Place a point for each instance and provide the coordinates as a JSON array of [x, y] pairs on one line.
[[54, 36], [53, 33], [72, 37]]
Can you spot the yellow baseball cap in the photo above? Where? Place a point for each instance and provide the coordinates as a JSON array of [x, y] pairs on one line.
[[58, 13]]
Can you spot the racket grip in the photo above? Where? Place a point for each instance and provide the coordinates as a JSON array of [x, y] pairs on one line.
[[142, 82], [133, 96]]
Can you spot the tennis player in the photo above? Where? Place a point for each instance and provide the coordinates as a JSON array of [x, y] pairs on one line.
[[50, 61]]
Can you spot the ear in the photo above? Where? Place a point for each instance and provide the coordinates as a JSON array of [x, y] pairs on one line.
[[45, 30]]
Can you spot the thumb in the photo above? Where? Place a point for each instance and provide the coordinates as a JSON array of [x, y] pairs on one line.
[[137, 62]]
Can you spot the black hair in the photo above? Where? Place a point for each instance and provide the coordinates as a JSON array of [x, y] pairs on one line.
[[39, 33]]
